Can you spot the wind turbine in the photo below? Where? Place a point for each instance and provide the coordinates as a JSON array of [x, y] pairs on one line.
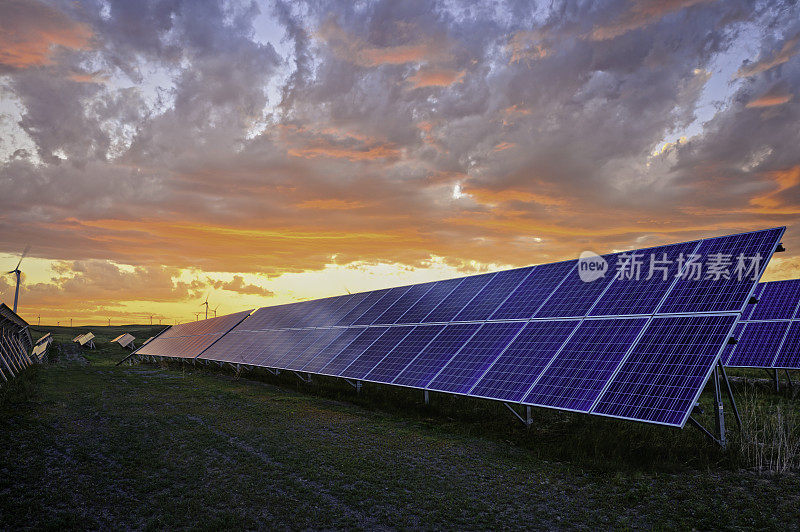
[[197, 316], [109, 322], [214, 310], [17, 271], [206, 304], [38, 320], [151, 319]]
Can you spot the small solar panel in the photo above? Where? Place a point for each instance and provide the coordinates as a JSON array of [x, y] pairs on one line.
[[373, 354], [324, 337], [758, 344], [661, 379], [438, 292], [435, 355], [461, 373], [404, 304], [789, 354], [642, 281], [711, 294], [347, 355], [488, 299], [188, 340], [327, 353], [777, 300], [533, 291], [512, 375], [458, 298], [403, 353], [388, 299], [574, 297], [579, 371]]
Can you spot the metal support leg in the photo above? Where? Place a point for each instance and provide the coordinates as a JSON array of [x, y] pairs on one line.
[[525, 420], [719, 410], [789, 378], [427, 398], [777, 381], [730, 395], [528, 417]]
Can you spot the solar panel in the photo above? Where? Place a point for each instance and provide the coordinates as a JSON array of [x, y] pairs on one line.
[[435, 355], [461, 373], [512, 375], [574, 297], [438, 292], [323, 338], [188, 340], [661, 379], [403, 353], [486, 302], [641, 285], [758, 344], [388, 299], [533, 291], [710, 294], [404, 304], [536, 335], [577, 374], [351, 352], [750, 307], [458, 298], [789, 355], [373, 354], [777, 300]]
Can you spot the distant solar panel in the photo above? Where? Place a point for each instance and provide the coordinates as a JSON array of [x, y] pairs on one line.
[[777, 300], [758, 344], [789, 355], [188, 340]]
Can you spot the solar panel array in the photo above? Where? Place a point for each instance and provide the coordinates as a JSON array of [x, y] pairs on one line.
[[769, 334], [188, 340], [15, 344], [634, 347]]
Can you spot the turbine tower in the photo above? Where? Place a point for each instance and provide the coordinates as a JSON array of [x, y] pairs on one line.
[[214, 310], [206, 305], [17, 272]]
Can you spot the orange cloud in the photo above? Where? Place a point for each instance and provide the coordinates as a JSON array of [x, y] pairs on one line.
[[784, 180], [777, 95], [372, 153], [497, 197], [330, 205], [787, 51], [526, 46], [436, 77], [29, 30], [641, 14], [503, 146]]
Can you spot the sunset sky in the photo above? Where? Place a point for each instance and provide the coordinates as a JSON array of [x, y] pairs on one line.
[[153, 152]]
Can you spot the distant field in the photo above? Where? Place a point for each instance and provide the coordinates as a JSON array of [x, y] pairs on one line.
[[85, 444]]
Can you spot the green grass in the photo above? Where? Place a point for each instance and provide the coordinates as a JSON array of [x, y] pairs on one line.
[[85, 444]]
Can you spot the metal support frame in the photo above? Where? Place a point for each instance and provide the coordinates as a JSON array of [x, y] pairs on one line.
[[306, 379], [789, 378], [354, 384], [527, 420], [427, 397], [719, 376]]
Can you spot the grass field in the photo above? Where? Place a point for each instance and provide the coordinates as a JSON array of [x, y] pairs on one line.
[[85, 444]]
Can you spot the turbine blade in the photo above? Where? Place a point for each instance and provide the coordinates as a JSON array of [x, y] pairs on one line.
[[27, 249]]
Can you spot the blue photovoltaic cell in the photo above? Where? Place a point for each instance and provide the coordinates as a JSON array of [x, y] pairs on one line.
[[325, 311], [533, 291], [263, 318], [398, 358], [353, 350], [642, 279], [388, 299], [750, 307], [365, 304], [404, 304], [329, 352], [434, 296], [464, 369], [512, 375], [492, 295], [238, 346], [662, 377], [789, 355], [324, 338], [433, 358], [777, 300], [375, 353], [720, 295], [458, 298], [188, 340], [737, 333], [282, 343], [291, 315], [578, 373], [297, 349], [575, 297], [757, 345], [350, 302]]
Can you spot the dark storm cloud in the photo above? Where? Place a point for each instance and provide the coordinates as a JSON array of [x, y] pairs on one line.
[[486, 132]]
